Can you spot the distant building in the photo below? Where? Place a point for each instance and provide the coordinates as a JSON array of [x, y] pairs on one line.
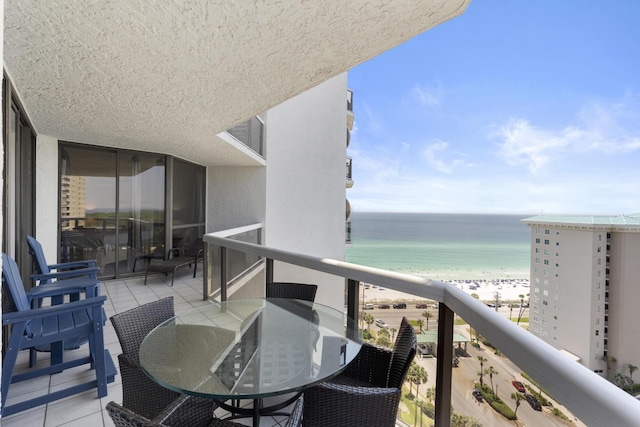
[[585, 287]]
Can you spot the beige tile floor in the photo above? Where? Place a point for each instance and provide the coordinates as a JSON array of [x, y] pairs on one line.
[[86, 409]]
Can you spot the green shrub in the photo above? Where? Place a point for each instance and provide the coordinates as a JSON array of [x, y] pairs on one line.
[[502, 408], [558, 413], [429, 410]]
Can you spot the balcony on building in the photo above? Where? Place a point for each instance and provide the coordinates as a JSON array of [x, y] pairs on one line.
[[349, 171]]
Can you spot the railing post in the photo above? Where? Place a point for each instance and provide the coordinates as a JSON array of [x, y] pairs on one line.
[[206, 282], [444, 366], [223, 273], [353, 293], [269, 272]]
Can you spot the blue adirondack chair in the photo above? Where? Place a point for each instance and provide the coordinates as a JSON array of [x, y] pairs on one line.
[[51, 326], [83, 274], [48, 273]]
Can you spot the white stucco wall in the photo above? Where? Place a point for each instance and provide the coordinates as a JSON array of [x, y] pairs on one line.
[[624, 294], [235, 197], [47, 195], [305, 182], [576, 297]]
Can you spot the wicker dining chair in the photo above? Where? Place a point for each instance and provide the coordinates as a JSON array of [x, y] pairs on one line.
[[185, 411], [368, 391], [302, 291], [139, 393]]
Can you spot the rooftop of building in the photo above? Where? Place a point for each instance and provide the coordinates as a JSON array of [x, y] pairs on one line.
[[618, 221]]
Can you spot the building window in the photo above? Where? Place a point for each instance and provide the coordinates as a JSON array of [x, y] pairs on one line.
[[537, 250], [537, 240], [597, 332], [537, 231], [546, 262], [546, 241], [546, 251], [546, 232]]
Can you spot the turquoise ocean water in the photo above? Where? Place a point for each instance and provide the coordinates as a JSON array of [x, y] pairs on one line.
[[442, 246]]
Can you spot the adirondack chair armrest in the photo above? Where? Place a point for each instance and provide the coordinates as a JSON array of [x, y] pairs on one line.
[[74, 264], [36, 313], [90, 271], [57, 289]]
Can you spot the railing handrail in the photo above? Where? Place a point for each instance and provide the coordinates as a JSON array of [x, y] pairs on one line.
[[593, 399], [235, 231]]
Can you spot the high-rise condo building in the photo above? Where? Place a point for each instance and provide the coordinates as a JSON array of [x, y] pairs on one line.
[[585, 288]]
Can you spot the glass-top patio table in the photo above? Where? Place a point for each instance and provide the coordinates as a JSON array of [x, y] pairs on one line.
[[249, 349]]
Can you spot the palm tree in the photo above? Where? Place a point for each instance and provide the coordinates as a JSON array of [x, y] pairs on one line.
[[518, 398], [609, 360], [368, 319], [632, 369], [482, 360], [393, 333], [420, 322], [419, 404], [521, 311], [417, 375], [491, 372], [383, 338], [411, 377], [620, 378], [427, 315]]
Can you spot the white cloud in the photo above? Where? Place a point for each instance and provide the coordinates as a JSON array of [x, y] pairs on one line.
[[428, 96], [434, 154], [610, 128]]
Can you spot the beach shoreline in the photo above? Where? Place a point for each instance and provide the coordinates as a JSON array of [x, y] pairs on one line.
[[508, 290]]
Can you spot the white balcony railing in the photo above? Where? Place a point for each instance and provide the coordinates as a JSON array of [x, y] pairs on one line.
[[592, 399]]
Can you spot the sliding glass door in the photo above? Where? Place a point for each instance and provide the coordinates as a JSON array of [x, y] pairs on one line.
[[112, 207], [116, 207]]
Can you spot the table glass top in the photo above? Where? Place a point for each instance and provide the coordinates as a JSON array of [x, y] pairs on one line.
[[249, 348]]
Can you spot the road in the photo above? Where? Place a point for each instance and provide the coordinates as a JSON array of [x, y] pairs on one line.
[[466, 374]]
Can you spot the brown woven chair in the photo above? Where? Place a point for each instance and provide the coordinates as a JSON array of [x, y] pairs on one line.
[[368, 392], [139, 393], [301, 291], [185, 411]]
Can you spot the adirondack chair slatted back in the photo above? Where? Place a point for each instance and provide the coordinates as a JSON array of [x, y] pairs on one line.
[[13, 284], [39, 261]]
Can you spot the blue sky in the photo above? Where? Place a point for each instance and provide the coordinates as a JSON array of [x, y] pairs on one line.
[[522, 107]]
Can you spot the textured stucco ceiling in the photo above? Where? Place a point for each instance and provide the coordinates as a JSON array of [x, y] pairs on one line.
[[168, 75]]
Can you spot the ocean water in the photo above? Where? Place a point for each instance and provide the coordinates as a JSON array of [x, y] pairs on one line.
[[442, 246]]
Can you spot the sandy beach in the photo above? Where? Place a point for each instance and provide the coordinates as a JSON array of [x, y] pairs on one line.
[[508, 290]]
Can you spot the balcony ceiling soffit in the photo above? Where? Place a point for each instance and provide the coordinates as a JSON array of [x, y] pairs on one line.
[[169, 75]]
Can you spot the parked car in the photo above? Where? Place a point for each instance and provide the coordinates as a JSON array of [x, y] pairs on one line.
[[381, 324], [400, 305], [384, 306], [368, 307], [533, 402], [476, 393], [519, 386], [422, 306]]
